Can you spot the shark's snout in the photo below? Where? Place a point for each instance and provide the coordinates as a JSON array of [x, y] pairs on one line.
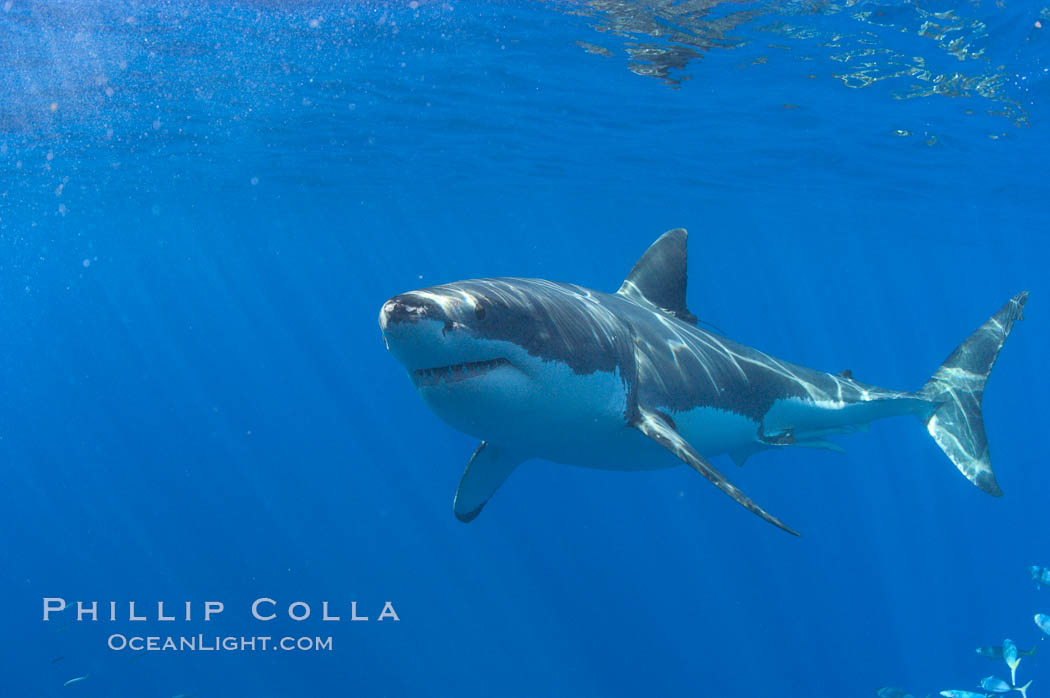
[[415, 326], [408, 308], [438, 334]]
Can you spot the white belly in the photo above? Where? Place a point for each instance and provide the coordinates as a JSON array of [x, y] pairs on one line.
[[541, 409], [538, 408], [710, 431]]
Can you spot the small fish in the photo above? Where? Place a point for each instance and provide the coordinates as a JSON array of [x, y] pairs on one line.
[[891, 692], [963, 694], [76, 680], [1041, 576], [995, 685], [1043, 621], [991, 652], [996, 652], [56, 660], [1011, 658]]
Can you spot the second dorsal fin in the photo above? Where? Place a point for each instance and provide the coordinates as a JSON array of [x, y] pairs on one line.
[[659, 277]]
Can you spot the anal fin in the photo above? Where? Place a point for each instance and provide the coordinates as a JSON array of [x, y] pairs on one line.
[[488, 468], [657, 429]]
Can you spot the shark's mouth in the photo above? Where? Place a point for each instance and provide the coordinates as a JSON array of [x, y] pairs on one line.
[[456, 372]]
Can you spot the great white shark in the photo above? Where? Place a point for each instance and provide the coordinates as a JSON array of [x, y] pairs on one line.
[[629, 381]]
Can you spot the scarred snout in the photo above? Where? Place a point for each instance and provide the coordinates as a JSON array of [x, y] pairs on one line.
[[421, 329], [408, 308]]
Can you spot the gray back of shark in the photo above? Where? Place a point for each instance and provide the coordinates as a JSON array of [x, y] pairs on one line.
[[629, 381]]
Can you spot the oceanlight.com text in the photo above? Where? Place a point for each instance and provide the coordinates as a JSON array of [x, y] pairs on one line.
[[217, 643]]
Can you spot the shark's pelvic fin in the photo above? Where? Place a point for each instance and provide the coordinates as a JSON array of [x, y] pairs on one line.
[[659, 430], [659, 277], [956, 422], [821, 444], [488, 468], [741, 455]]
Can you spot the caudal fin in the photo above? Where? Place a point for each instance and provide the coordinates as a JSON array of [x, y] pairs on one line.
[[956, 390]]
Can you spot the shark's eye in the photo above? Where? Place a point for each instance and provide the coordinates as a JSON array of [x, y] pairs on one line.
[[479, 311]]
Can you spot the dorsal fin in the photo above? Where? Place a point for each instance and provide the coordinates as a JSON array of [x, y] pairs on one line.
[[659, 277]]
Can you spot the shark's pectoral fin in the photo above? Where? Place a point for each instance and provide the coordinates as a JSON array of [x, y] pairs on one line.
[[486, 471], [657, 429]]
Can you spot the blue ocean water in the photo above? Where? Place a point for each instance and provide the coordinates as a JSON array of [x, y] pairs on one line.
[[203, 206]]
